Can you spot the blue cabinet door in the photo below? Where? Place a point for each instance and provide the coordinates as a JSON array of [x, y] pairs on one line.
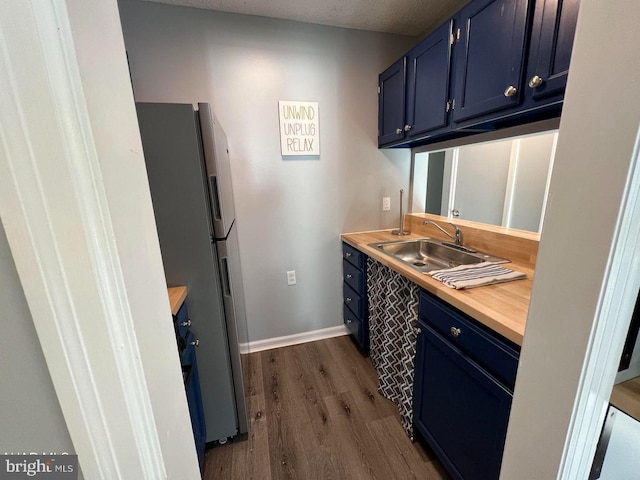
[[391, 103], [489, 56], [428, 82], [182, 321], [194, 400], [460, 409], [554, 26]]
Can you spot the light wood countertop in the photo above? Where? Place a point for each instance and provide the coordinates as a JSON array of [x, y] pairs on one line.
[[626, 397], [176, 298], [502, 307]]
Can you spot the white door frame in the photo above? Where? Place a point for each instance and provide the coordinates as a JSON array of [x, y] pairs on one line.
[[60, 139]]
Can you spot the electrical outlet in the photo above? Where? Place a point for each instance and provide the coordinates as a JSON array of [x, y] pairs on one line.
[[386, 204], [291, 277]]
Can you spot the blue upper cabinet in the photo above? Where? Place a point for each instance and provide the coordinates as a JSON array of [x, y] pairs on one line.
[[428, 83], [497, 63], [391, 106], [489, 57], [554, 26]]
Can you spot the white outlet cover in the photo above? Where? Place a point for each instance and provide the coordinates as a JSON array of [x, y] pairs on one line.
[[386, 204]]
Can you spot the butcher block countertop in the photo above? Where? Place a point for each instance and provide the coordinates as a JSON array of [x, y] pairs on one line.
[[502, 307], [176, 298]]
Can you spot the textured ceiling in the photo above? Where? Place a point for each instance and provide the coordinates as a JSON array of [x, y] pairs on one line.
[[405, 17]]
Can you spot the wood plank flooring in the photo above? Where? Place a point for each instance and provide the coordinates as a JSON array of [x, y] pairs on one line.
[[315, 413]]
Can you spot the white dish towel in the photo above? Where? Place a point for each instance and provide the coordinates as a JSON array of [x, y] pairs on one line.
[[476, 275]]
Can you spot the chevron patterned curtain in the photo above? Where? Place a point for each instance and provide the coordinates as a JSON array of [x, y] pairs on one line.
[[393, 311]]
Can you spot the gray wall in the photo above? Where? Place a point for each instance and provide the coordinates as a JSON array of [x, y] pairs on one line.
[[290, 212], [30, 415]]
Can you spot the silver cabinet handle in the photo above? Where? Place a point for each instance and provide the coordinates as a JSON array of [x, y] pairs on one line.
[[196, 343], [349, 321], [349, 275], [455, 331], [455, 213], [348, 299], [417, 330], [535, 81], [186, 324], [407, 128], [510, 91], [347, 254], [398, 131]]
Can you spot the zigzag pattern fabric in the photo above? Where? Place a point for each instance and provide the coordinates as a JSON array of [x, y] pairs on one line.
[[393, 310]]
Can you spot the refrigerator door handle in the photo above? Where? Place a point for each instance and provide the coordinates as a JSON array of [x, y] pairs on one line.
[[226, 279], [215, 151], [231, 292], [215, 197]]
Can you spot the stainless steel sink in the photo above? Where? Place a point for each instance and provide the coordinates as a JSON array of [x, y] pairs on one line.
[[426, 254]]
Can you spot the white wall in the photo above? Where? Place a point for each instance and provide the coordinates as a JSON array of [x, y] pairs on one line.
[[289, 212], [30, 415]]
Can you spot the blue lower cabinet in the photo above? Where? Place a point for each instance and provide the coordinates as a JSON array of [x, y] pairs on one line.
[[460, 407], [354, 288], [182, 321], [187, 353], [194, 399]]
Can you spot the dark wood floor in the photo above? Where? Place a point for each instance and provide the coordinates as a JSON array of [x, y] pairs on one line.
[[315, 413]]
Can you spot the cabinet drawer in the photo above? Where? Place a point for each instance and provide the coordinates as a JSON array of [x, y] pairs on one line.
[[496, 356], [353, 276], [352, 300], [353, 256], [353, 323]]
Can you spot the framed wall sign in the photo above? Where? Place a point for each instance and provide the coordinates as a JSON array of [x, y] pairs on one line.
[[299, 128]]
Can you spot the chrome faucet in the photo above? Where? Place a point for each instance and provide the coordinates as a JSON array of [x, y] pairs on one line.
[[457, 237]]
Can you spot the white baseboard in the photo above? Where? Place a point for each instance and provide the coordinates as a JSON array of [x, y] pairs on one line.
[[277, 342]]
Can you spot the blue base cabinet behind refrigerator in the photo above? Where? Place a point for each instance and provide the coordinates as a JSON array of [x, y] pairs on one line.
[[186, 348]]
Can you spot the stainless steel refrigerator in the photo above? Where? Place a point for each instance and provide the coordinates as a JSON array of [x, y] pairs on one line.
[[187, 161]]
